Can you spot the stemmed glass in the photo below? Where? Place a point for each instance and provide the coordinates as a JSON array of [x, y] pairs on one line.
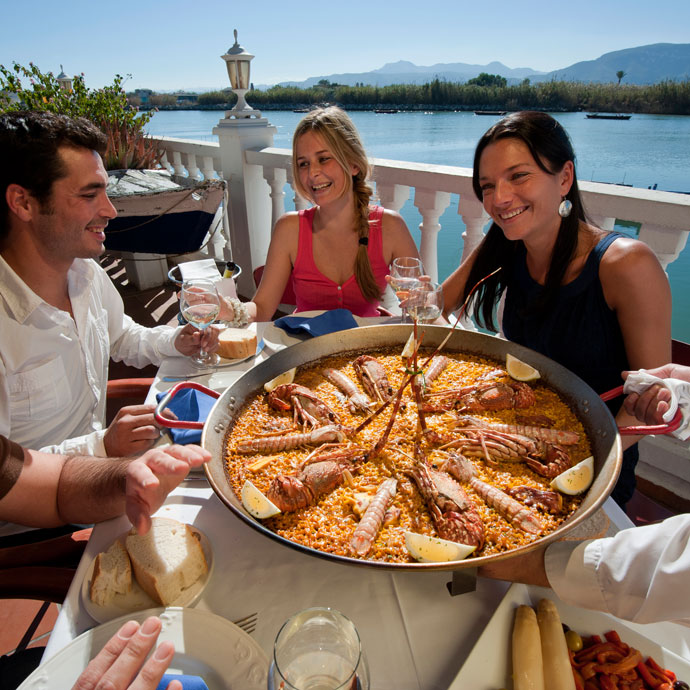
[[425, 302], [200, 305], [405, 274], [318, 649]]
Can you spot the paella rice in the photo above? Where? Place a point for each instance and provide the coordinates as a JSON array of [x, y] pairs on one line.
[[329, 523]]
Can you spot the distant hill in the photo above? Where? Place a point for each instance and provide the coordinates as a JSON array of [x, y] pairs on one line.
[[642, 65]]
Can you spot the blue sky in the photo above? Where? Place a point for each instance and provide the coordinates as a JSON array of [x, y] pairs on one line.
[[167, 45]]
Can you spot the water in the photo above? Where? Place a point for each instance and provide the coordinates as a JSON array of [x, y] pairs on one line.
[[644, 151]]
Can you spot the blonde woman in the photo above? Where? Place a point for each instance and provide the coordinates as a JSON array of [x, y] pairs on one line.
[[338, 252]]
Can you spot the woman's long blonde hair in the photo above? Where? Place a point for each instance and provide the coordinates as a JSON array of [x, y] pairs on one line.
[[342, 139]]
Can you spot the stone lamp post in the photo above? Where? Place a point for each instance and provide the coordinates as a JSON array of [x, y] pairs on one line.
[[249, 208]]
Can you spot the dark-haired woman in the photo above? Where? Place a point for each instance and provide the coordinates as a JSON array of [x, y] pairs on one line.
[[595, 301], [339, 251]]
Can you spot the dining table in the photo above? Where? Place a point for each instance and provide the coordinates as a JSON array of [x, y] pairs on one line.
[[414, 632]]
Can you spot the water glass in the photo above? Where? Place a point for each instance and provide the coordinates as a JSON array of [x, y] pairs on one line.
[[425, 302], [405, 274], [200, 306], [318, 649]]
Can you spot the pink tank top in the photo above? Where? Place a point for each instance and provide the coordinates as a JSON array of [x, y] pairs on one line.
[[314, 291]]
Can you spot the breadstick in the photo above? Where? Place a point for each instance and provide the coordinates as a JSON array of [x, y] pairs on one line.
[[558, 674], [527, 655]]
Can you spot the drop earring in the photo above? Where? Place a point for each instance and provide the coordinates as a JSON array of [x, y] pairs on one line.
[[565, 207]]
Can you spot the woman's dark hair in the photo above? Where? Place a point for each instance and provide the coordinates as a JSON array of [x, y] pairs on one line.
[[29, 143], [551, 149]]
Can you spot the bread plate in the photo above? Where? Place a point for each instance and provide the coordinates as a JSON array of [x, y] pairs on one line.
[[206, 645], [137, 599], [489, 664]]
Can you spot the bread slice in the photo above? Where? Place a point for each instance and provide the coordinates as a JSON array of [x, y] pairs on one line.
[[112, 574], [236, 343], [167, 559]]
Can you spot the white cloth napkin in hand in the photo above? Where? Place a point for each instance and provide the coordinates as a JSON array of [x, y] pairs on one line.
[[640, 381], [208, 270]]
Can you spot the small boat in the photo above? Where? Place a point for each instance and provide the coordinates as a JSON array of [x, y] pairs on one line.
[[386, 111], [301, 110], [603, 116], [498, 113]]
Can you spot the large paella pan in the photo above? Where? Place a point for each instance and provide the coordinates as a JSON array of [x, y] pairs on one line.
[[593, 415]]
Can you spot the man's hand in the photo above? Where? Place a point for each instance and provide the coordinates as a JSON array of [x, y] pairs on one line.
[[116, 665], [154, 475], [133, 431], [190, 340], [650, 406]]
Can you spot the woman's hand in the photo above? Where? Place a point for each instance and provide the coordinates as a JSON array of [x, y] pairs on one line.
[[122, 658]]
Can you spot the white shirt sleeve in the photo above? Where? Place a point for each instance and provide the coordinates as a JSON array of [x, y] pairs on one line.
[[642, 574], [89, 444]]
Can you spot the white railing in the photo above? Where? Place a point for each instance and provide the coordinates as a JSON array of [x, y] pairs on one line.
[[664, 216]]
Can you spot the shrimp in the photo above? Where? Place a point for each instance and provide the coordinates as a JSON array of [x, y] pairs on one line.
[[370, 524]]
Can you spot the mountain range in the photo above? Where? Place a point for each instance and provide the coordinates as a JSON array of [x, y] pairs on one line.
[[642, 65]]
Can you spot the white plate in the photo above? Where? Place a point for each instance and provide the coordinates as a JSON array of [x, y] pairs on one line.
[[206, 645], [137, 599], [489, 666]]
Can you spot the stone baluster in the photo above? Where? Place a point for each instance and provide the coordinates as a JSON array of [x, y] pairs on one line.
[[431, 204], [165, 162], [276, 178], [392, 196], [178, 167], [192, 167], [300, 202], [475, 219], [667, 243], [208, 170], [603, 222]]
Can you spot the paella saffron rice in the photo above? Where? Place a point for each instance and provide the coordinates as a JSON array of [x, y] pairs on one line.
[[329, 523]]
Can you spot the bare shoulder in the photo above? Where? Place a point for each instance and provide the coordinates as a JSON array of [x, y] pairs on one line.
[[626, 255], [397, 240], [392, 221], [288, 223]]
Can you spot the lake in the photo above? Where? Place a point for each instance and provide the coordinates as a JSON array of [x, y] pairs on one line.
[[644, 151]]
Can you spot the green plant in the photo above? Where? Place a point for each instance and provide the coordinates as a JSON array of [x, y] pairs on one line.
[[107, 108]]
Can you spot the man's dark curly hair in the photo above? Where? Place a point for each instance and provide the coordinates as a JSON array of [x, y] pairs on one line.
[[29, 142]]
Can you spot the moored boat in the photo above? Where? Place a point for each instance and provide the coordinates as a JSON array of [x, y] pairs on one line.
[[604, 116], [490, 112]]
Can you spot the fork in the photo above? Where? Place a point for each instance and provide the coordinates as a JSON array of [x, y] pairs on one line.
[[248, 623]]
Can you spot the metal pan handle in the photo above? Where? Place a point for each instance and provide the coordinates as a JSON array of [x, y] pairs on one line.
[[643, 430], [165, 401]]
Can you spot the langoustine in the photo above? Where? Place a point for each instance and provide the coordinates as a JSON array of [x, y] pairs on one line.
[[274, 444], [372, 520], [356, 400], [513, 511]]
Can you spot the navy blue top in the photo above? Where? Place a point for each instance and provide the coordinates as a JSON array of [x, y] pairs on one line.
[[580, 331]]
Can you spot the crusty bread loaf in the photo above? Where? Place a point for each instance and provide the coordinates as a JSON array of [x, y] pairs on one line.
[[236, 343], [112, 574], [167, 559]]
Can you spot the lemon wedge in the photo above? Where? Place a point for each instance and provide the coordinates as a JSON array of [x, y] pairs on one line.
[[256, 503], [519, 370], [408, 350], [426, 549], [286, 377], [576, 479]]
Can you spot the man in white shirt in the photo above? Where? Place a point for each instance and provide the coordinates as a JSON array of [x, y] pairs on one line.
[[61, 318], [642, 574]]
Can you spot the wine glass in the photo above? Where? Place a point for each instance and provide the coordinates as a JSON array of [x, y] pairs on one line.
[[318, 649], [200, 305], [405, 274], [425, 302]]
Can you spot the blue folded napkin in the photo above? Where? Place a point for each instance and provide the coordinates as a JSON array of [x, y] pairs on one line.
[[189, 405], [188, 682], [328, 322]]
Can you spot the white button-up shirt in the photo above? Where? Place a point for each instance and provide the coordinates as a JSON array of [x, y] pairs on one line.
[[54, 368], [642, 574]]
